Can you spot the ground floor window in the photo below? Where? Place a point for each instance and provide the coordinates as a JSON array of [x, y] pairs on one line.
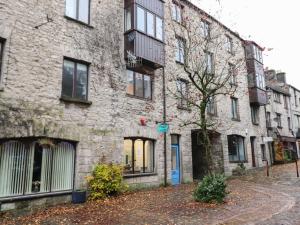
[[236, 148], [138, 156], [34, 167]]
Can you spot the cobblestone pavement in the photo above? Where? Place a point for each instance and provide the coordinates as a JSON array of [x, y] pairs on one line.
[[253, 199]]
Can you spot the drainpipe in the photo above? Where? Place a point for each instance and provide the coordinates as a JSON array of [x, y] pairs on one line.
[[165, 134]]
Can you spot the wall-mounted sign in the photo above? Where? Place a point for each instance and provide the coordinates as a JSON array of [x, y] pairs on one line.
[[267, 139], [163, 128]]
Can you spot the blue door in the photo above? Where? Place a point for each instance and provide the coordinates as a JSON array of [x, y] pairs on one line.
[[175, 165]]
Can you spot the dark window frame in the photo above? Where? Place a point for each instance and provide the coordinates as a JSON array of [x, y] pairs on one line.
[[278, 119], [133, 139], [237, 118], [181, 100], [77, 14], [255, 115], [232, 137], [134, 86], [72, 98], [2, 43]]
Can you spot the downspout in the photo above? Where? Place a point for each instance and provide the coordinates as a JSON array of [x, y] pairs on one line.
[[165, 134]]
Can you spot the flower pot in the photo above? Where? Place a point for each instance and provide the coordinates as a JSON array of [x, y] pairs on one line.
[[78, 196]]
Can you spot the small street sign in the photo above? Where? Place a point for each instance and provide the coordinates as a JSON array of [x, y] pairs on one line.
[[163, 128]]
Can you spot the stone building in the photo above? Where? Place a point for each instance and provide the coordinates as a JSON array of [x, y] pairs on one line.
[[295, 110], [83, 83], [279, 113]]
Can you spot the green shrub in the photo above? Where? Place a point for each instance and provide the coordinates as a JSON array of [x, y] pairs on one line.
[[239, 170], [211, 189], [106, 180]]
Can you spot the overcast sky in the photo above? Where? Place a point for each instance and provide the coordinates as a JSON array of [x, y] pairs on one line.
[[271, 23]]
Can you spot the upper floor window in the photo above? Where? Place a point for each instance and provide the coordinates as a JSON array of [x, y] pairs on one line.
[[139, 85], [78, 10], [289, 123], [205, 29], [286, 101], [268, 119], [255, 114], [277, 97], [295, 95], [180, 45], [297, 121], [212, 106], [257, 54], [209, 62], [260, 81], [176, 12], [75, 79], [232, 74], [182, 90], [234, 109], [138, 156], [148, 23], [128, 19], [278, 119], [1, 55], [236, 148], [229, 44]]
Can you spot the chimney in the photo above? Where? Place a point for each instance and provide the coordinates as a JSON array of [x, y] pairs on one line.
[[281, 77]]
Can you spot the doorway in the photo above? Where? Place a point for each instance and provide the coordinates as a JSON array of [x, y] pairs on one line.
[[252, 140], [175, 159]]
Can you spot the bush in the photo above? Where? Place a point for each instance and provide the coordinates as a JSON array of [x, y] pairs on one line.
[[211, 189], [106, 180], [240, 170]]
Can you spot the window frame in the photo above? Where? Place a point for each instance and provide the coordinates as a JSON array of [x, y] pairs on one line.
[[133, 139], [211, 106], [27, 142], [237, 118], [2, 43], [77, 13], [278, 119], [232, 74], [209, 55], [134, 85], [180, 50], [181, 100], [76, 61], [178, 10], [231, 137], [205, 29], [255, 115], [229, 44], [268, 119], [277, 97]]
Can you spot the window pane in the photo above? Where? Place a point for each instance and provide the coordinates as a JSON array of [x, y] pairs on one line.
[[140, 19], [138, 156], [81, 82], [241, 149], [139, 91], [127, 19], [174, 139], [149, 153], [130, 83], [71, 8], [147, 87], [159, 28], [127, 157], [178, 9], [174, 158], [174, 12], [150, 24], [84, 9], [68, 76]]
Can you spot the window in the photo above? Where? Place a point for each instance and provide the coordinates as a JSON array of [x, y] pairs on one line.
[[232, 74], [2, 41], [205, 29], [277, 97], [176, 13], [297, 121], [260, 80], [78, 10], [140, 19], [268, 119], [75, 80], [138, 156], [182, 89], [139, 85], [234, 109], [263, 152], [289, 123], [128, 19], [257, 53], [229, 44], [209, 63], [255, 114], [236, 148], [211, 106], [285, 101], [34, 168], [278, 119], [159, 28], [180, 50], [150, 24]]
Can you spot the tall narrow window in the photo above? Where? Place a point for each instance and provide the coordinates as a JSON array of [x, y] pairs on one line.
[[268, 118], [234, 109], [159, 28], [278, 119], [2, 41], [236, 148], [140, 19], [205, 29], [150, 24], [229, 44], [255, 114], [139, 85], [138, 156], [211, 106], [232, 74], [180, 50], [75, 80], [128, 19], [78, 10], [289, 123], [209, 63], [176, 12], [286, 101], [182, 91]]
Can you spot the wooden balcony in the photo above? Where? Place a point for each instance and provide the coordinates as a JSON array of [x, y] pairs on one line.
[[258, 96]]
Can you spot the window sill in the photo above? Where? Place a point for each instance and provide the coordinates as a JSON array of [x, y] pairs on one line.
[[181, 63], [140, 98], [33, 196], [78, 21], [72, 100], [245, 161], [256, 124], [139, 175]]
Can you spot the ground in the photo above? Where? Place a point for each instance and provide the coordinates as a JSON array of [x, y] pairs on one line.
[[253, 199]]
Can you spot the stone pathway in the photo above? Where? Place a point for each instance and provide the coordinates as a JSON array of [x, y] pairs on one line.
[[253, 199]]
